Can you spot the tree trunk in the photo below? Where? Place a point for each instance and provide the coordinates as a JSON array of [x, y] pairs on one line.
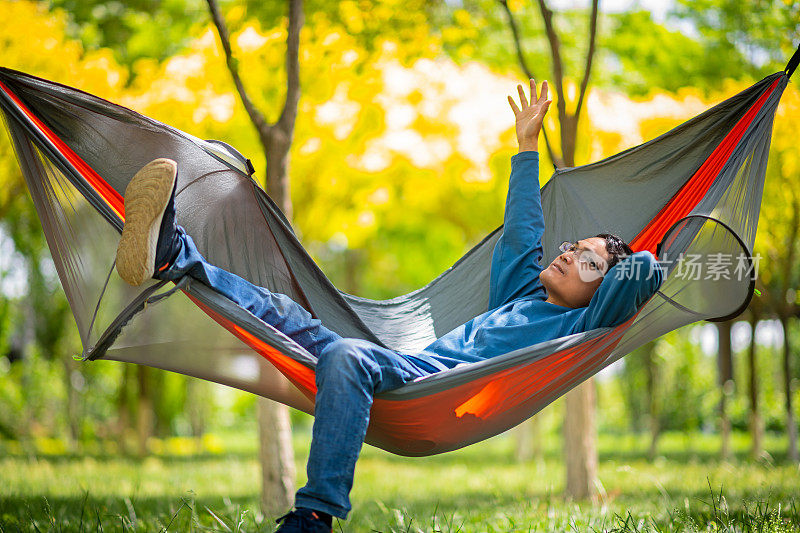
[[124, 408], [278, 171], [196, 392], [162, 421], [725, 367], [580, 434], [756, 427], [274, 427], [72, 405], [353, 260], [276, 456], [579, 428], [580, 441], [528, 440], [653, 407], [144, 411], [791, 426]]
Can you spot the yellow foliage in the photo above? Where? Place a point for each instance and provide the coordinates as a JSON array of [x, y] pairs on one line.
[[781, 190], [392, 143], [36, 43]]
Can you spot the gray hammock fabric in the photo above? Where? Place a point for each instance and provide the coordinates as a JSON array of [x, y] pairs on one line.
[[695, 189]]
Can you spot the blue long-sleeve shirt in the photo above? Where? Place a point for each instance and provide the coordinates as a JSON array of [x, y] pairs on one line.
[[518, 314]]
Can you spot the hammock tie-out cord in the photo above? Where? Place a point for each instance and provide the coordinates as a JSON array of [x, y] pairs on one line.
[[793, 62]]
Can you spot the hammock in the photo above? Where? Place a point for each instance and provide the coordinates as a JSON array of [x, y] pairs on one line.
[[696, 190]]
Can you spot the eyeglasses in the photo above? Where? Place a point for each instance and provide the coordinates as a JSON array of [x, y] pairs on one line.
[[587, 259]]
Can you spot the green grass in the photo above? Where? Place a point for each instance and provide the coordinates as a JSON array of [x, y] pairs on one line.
[[480, 488]]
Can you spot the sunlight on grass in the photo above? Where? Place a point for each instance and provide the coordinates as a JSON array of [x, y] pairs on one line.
[[479, 488]]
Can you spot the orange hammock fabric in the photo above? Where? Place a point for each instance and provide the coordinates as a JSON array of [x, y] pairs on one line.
[[694, 190]]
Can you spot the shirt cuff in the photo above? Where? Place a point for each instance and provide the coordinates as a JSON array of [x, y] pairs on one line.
[[525, 156]]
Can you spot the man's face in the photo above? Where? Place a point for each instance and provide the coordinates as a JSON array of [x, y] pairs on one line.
[[573, 276]]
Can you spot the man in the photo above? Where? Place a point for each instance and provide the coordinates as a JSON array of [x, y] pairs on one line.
[[580, 290]]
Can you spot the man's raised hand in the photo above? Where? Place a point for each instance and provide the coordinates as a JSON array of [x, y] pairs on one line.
[[529, 116]]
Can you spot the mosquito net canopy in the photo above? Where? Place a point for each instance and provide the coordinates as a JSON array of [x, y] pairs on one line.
[[695, 189]]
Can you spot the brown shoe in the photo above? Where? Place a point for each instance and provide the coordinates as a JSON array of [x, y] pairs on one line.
[[146, 199]]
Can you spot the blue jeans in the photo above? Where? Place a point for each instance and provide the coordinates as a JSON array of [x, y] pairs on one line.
[[349, 372]]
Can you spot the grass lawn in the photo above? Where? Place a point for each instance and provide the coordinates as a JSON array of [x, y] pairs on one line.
[[480, 488]]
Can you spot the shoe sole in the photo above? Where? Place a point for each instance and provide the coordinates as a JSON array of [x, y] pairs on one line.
[[146, 199]]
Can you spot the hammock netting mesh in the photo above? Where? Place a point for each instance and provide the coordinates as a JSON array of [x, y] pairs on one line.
[[696, 190]]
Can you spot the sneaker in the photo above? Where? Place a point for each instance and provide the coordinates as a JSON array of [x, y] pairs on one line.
[[302, 521], [148, 235]]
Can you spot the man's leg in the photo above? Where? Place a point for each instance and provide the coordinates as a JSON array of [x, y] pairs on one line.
[[349, 372], [277, 310], [152, 245]]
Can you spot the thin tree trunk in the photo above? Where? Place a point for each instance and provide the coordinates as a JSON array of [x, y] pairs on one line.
[[144, 411], [785, 310], [72, 405], [352, 267], [725, 367], [756, 427], [580, 441], [277, 455], [528, 440], [124, 408], [580, 433], [791, 425], [26, 341], [196, 392], [274, 427], [653, 405], [162, 423]]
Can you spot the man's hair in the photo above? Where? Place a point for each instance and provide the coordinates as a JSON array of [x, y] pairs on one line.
[[617, 248]]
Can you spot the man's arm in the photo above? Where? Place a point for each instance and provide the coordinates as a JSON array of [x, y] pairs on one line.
[[516, 261], [625, 288]]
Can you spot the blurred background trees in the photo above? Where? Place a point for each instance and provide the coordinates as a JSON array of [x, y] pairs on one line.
[[400, 164]]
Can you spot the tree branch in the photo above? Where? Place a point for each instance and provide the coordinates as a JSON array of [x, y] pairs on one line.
[[589, 56], [255, 115], [515, 32], [524, 65], [558, 66], [289, 113]]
